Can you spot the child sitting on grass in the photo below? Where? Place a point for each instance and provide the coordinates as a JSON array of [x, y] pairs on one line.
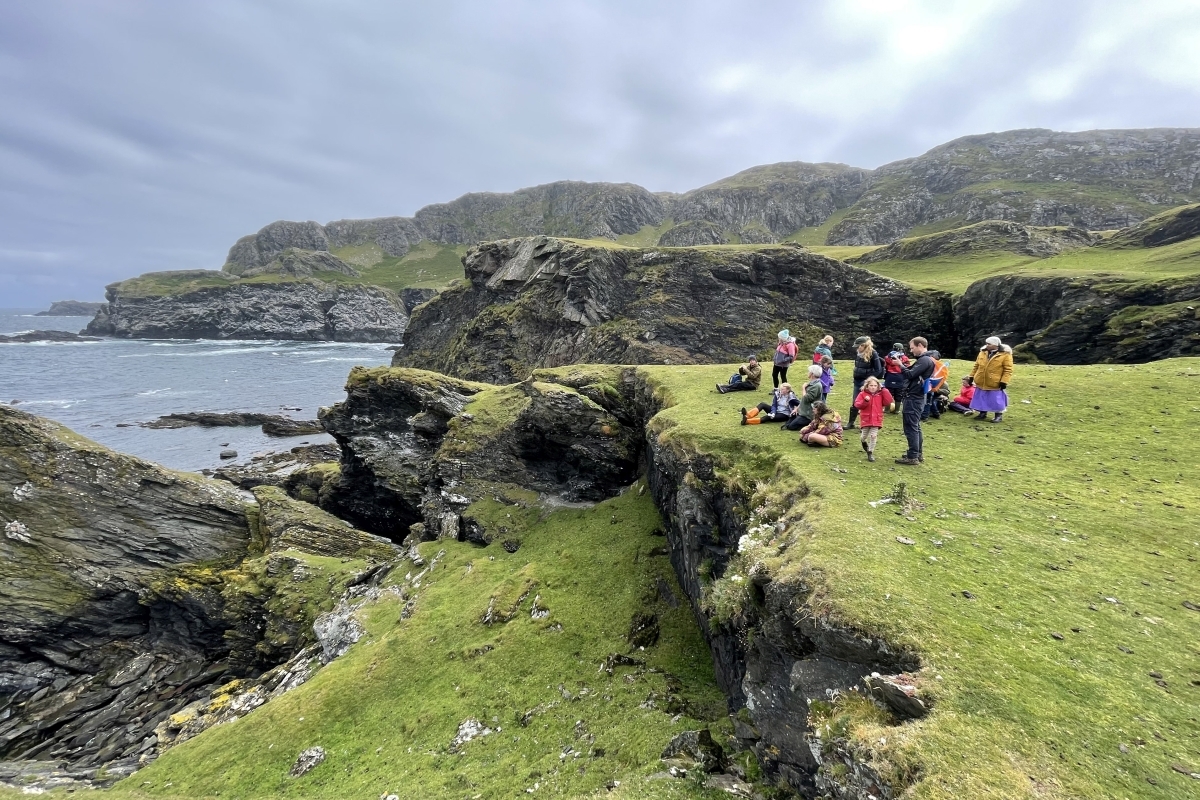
[[871, 402], [825, 430], [783, 404], [962, 403]]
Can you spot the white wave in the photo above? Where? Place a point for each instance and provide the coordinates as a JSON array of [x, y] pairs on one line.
[[54, 403], [357, 360], [153, 391]]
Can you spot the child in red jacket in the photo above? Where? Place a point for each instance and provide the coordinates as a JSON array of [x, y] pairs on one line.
[[870, 404], [962, 403]]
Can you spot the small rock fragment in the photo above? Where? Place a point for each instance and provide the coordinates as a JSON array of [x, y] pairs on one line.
[[307, 760], [1056, 635], [904, 540]]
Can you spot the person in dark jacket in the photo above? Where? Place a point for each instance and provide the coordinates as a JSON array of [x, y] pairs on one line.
[[914, 397], [750, 375], [867, 364]]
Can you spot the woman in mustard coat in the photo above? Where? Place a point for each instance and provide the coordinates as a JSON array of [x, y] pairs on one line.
[[990, 376]]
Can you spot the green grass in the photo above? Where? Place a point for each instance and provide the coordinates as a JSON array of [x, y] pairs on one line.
[[843, 252], [428, 265], [386, 711], [1041, 518], [646, 237], [956, 273]]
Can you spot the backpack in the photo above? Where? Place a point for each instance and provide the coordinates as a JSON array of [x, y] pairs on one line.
[[941, 372]]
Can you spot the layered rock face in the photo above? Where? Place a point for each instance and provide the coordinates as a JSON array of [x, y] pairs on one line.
[[1082, 320], [541, 302], [992, 235], [1093, 179], [70, 308], [131, 592], [299, 310]]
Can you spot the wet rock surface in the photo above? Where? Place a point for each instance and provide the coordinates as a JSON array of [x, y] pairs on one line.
[[46, 336], [542, 302], [70, 308]]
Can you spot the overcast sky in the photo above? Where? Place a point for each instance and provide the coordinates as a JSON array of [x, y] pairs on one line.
[[138, 136]]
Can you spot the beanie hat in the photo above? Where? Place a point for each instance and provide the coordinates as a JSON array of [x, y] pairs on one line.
[[784, 334], [993, 340], [860, 341]]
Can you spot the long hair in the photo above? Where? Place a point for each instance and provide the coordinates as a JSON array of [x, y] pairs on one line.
[[867, 350]]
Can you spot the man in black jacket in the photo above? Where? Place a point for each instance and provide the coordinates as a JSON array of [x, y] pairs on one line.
[[914, 398]]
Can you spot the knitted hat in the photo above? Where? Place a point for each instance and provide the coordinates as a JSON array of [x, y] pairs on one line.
[[784, 334], [752, 358], [860, 341], [992, 340]]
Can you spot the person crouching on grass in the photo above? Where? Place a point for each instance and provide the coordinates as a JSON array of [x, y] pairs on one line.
[[825, 430], [870, 403]]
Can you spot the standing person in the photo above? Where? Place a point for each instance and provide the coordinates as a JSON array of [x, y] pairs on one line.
[[914, 399], [828, 374], [749, 375], [991, 375], [810, 396], [785, 354], [778, 410], [823, 348], [867, 364], [871, 401], [893, 379]]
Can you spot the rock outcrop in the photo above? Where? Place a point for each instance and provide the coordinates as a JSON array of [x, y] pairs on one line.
[[303, 310], [70, 308], [46, 336], [1082, 320], [1169, 227], [132, 592], [992, 236], [692, 234], [541, 302], [1095, 180]]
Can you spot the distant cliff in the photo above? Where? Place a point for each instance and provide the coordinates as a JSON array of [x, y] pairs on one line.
[[70, 308]]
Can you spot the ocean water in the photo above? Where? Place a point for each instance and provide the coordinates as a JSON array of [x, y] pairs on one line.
[[103, 389]]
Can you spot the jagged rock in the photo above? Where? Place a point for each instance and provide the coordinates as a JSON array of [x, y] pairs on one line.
[[303, 310], [691, 234], [696, 747], [70, 308], [297, 470], [222, 419], [467, 730], [292, 427], [306, 761], [292, 524], [295, 263], [415, 297], [542, 302], [897, 692], [1176, 225], [337, 631]]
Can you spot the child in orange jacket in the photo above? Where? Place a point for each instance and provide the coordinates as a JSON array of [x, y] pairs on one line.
[[871, 402]]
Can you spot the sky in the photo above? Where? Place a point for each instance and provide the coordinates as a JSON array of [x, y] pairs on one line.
[[140, 135]]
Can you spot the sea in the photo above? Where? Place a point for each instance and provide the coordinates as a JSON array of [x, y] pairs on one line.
[[104, 389]]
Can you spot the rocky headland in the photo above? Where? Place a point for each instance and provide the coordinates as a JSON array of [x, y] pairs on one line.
[[541, 302], [70, 308]]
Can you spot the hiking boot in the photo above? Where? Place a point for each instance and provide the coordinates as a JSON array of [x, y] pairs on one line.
[[720, 388], [865, 446], [908, 462], [743, 415], [982, 415], [921, 458], [870, 455], [998, 418]]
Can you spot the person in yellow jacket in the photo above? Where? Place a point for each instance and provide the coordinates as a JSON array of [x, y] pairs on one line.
[[991, 375]]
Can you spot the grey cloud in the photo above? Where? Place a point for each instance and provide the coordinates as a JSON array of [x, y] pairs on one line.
[[139, 136]]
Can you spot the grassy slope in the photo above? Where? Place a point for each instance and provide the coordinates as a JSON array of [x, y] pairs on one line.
[[815, 235], [956, 273], [387, 711], [1041, 518]]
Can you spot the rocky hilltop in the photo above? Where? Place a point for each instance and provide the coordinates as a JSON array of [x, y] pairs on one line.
[[132, 594], [1094, 180], [70, 308], [990, 236], [540, 302], [216, 305]]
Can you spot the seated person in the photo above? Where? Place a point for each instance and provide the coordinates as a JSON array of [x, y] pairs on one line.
[[962, 403], [811, 394], [778, 410], [746, 379], [825, 430]]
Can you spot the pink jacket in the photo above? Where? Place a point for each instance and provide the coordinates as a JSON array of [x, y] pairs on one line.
[[870, 407]]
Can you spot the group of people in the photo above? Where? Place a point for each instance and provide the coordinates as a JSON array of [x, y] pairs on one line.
[[905, 382]]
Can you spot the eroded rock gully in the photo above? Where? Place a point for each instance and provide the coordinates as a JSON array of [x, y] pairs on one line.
[[413, 462]]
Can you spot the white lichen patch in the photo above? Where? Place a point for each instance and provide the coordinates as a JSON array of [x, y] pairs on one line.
[[17, 530], [23, 492]]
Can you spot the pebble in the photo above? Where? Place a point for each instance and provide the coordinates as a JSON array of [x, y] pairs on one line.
[[1056, 635]]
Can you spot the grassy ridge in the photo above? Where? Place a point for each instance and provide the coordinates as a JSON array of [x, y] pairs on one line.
[[1086, 493]]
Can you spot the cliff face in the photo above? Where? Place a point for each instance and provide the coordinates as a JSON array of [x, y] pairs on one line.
[[1082, 320], [992, 235], [131, 592], [542, 302], [1094, 179], [305, 310]]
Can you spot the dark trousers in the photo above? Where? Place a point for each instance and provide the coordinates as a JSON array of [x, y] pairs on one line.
[[778, 375], [741, 386], [854, 411], [796, 423], [914, 406], [931, 409]]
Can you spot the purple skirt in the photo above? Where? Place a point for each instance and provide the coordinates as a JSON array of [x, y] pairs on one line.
[[989, 400]]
